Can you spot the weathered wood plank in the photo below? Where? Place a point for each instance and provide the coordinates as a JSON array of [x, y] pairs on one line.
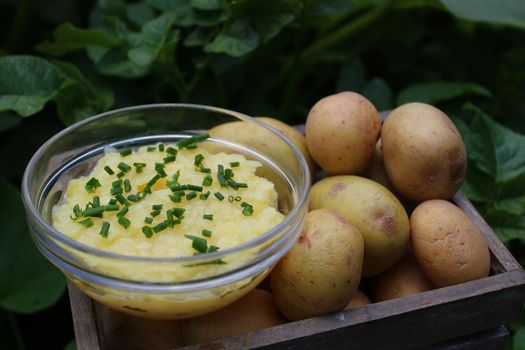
[[82, 310], [492, 339]]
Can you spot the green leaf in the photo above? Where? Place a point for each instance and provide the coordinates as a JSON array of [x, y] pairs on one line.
[[8, 121], [508, 12], [27, 83], [518, 340], [269, 26], [140, 13], [116, 62], [379, 93], [206, 4], [239, 39], [80, 99], [197, 37], [439, 91], [68, 38], [28, 282]]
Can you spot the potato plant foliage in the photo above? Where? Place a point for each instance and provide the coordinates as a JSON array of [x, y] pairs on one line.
[[64, 60]]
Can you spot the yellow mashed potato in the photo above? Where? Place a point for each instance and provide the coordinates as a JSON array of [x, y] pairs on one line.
[[230, 225]]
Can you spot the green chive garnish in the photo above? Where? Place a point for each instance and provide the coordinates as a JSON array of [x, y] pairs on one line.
[[96, 201], [116, 183], [174, 198], [161, 147], [178, 212], [238, 198], [124, 167], [159, 168], [120, 198], [222, 180], [205, 170], [139, 167], [231, 198], [234, 164], [120, 174], [86, 222], [104, 229], [123, 221], [148, 220], [198, 159], [220, 169], [112, 201], [125, 152], [208, 216], [171, 150], [109, 170], [153, 180], [77, 212], [160, 226], [206, 233], [147, 231], [191, 195], [151, 148], [155, 212], [127, 185], [116, 190], [204, 196], [169, 159], [207, 181], [93, 211], [156, 206], [247, 209], [134, 197], [194, 188], [111, 207], [92, 185], [198, 243], [123, 211], [191, 141], [228, 174], [219, 196], [213, 249]]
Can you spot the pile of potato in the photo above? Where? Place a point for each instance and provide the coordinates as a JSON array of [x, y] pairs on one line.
[[380, 225]]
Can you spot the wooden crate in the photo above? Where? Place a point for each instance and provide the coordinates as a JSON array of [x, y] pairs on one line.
[[465, 316]]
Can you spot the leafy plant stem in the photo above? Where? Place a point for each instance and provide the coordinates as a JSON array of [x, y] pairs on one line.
[[345, 31], [197, 77], [22, 18], [16, 330]]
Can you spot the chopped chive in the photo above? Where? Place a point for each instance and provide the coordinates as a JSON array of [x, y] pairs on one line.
[[125, 152], [194, 188], [228, 174], [120, 198], [96, 201], [238, 198], [175, 177], [160, 226], [207, 181], [92, 185], [134, 197], [191, 146], [222, 180], [159, 168], [120, 174], [109, 170], [219, 196], [111, 207], [213, 249], [147, 231], [127, 185], [204, 196], [148, 220], [139, 167], [116, 183], [237, 185], [155, 213], [161, 147], [178, 212], [112, 201], [151, 149], [198, 159], [77, 212], [198, 243], [175, 198], [169, 159], [208, 216], [206, 233], [116, 190], [247, 210], [220, 169], [104, 229], [123, 211], [124, 167], [179, 193], [156, 206], [205, 170], [192, 140], [231, 198], [191, 195], [93, 211], [153, 180], [123, 221], [171, 150], [234, 164], [86, 222]]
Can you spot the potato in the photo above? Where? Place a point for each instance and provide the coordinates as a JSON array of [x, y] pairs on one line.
[[122, 331], [256, 310], [341, 132], [374, 210], [403, 279], [447, 245], [423, 152], [359, 299], [321, 272], [295, 136]]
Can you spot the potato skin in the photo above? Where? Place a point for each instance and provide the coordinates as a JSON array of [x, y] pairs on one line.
[[341, 133], [403, 279], [256, 310], [321, 272], [359, 299], [374, 210], [295, 136], [424, 154], [447, 245]]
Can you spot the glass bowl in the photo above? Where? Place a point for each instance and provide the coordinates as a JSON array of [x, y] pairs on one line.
[[156, 287]]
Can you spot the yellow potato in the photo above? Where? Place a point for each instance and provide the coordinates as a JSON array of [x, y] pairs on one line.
[[341, 133], [359, 299], [423, 152], [447, 245], [295, 136], [321, 272], [374, 210], [403, 279], [256, 310]]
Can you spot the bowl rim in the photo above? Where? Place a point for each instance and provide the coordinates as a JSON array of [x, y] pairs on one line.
[[34, 213]]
